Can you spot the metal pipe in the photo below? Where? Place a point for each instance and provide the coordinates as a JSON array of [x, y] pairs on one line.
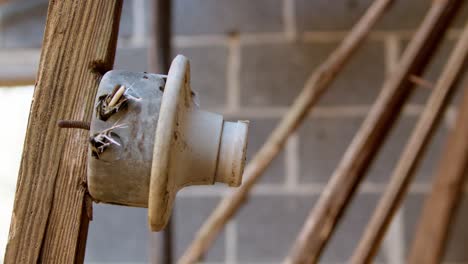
[[159, 62]]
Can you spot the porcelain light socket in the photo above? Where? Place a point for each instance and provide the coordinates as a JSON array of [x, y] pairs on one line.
[[149, 140]]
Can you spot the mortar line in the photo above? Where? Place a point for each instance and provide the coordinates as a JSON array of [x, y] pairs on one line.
[[182, 41], [262, 38], [207, 40], [231, 242], [303, 189], [233, 74], [292, 162], [452, 34], [2, 37], [289, 19], [139, 25], [307, 36], [336, 36], [349, 111]]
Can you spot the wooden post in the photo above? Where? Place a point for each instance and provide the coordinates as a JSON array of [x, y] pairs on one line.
[[159, 62], [414, 150], [336, 196], [315, 86], [441, 204], [52, 208]]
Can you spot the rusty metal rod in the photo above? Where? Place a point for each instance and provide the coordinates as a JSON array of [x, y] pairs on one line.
[[337, 194], [74, 124], [441, 204], [159, 62], [404, 171]]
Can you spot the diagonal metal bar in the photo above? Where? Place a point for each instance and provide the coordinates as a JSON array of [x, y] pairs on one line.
[[336, 196], [414, 150], [441, 204], [159, 62], [315, 86]]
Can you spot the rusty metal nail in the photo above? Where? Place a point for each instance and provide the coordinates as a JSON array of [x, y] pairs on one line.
[[74, 124]]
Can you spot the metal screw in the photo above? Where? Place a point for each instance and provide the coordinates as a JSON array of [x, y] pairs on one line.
[[74, 124]]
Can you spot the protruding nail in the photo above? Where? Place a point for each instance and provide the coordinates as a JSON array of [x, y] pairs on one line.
[[74, 124]]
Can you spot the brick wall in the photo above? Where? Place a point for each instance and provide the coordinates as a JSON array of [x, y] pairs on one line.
[[249, 60]]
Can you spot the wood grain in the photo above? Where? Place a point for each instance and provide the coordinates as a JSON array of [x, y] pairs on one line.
[[315, 86], [441, 204], [49, 216], [338, 192], [404, 171]]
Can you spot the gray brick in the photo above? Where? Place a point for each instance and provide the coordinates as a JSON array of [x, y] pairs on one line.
[[404, 15], [121, 234], [126, 19], [118, 234], [275, 74], [189, 215], [259, 130], [222, 16], [323, 142], [268, 225], [131, 59], [432, 155], [458, 235], [435, 67], [432, 72], [350, 229], [361, 80], [208, 73], [387, 159], [323, 15]]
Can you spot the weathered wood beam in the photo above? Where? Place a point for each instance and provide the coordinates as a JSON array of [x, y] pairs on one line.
[[159, 62], [315, 86], [337, 194], [441, 204], [50, 216], [406, 167]]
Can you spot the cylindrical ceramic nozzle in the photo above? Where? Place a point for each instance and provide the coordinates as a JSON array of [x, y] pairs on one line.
[[146, 143], [232, 149], [209, 149]]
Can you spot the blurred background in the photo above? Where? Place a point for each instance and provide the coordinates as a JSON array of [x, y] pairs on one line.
[[250, 58]]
